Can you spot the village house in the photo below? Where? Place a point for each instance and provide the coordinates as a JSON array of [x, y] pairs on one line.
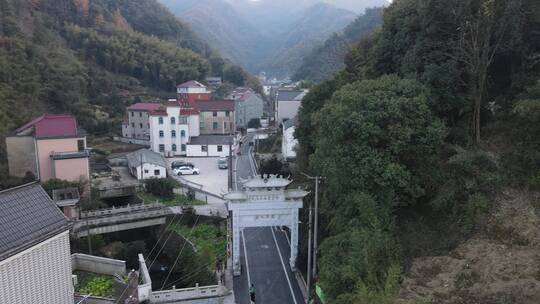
[[248, 105], [144, 164], [35, 260], [216, 116], [50, 146], [287, 104]]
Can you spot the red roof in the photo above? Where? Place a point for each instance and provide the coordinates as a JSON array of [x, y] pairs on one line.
[[214, 105], [144, 106], [52, 125], [189, 111], [191, 84]]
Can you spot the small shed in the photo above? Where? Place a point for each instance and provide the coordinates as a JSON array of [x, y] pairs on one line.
[[145, 164]]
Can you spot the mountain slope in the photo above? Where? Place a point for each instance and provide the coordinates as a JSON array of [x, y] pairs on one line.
[[311, 28], [221, 27], [327, 59], [92, 58], [269, 36]]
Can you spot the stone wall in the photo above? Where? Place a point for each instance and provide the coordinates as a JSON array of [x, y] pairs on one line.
[[95, 264]]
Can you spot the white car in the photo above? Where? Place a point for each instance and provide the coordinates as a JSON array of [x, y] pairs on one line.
[[186, 170]]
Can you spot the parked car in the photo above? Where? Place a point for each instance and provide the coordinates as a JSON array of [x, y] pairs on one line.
[[186, 170], [181, 163], [223, 163]]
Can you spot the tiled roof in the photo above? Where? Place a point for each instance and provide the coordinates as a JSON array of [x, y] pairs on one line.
[[144, 106], [146, 156], [241, 94], [52, 125], [285, 95], [211, 140], [189, 111], [27, 216], [214, 105], [191, 84]]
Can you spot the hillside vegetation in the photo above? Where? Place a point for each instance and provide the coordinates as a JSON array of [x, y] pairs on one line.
[[92, 58], [428, 140], [327, 59]]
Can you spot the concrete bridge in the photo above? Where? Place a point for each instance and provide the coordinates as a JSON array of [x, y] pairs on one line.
[[119, 219], [135, 216]]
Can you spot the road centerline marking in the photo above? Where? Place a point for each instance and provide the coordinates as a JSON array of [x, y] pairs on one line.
[[283, 264], [247, 263]]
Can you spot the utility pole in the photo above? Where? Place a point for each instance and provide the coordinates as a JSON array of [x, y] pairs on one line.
[[230, 165], [140, 156], [309, 258], [315, 232]]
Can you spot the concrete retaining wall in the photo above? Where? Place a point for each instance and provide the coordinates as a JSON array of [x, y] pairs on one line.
[[95, 264], [134, 141]]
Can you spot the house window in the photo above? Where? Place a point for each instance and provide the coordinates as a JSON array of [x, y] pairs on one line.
[[80, 145], [182, 133], [227, 113], [183, 147], [225, 125], [174, 147], [140, 114], [161, 148], [140, 125], [220, 148], [145, 170], [160, 120], [214, 113], [182, 120], [231, 124], [201, 125], [173, 120], [204, 148], [132, 114], [156, 172], [173, 133], [214, 125], [133, 125], [161, 133]]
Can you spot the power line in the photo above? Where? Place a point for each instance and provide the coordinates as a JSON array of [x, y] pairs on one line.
[[162, 246], [162, 234], [178, 256]]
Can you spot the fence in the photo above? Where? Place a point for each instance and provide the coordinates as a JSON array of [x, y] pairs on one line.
[[196, 292], [117, 210], [95, 264], [127, 140]]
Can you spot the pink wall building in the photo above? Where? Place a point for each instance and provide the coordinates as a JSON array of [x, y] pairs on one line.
[[50, 146]]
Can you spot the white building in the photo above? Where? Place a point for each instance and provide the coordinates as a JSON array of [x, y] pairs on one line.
[[171, 128], [287, 104], [288, 141], [35, 259], [209, 146], [144, 164]]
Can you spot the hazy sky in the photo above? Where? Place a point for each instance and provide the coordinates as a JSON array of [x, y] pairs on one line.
[[354, 5]]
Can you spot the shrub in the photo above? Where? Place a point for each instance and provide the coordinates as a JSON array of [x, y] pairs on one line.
[[160, 186]]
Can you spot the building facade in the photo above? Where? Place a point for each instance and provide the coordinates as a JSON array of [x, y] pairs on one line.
[[216, 116], [171, 129], [287, 104], [50, 146], [137, 123], [35, 260], [248, 105]]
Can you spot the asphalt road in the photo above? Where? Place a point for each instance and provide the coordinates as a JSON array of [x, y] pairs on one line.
[[267, 250]]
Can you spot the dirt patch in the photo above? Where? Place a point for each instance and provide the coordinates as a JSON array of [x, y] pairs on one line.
[[500, 264]]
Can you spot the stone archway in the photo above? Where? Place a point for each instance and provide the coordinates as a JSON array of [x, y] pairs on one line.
[[264, 202]]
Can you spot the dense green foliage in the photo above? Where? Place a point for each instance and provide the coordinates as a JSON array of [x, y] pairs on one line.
[[94, 284], [327, 59], [160, 187], [394, 135]]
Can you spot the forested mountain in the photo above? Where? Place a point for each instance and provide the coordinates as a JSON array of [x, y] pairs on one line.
[[92, 58], [328, 58], [270, 36], [428, 141]]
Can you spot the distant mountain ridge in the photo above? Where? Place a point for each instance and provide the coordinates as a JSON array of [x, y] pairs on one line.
[[328, 58], [270, 36]]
